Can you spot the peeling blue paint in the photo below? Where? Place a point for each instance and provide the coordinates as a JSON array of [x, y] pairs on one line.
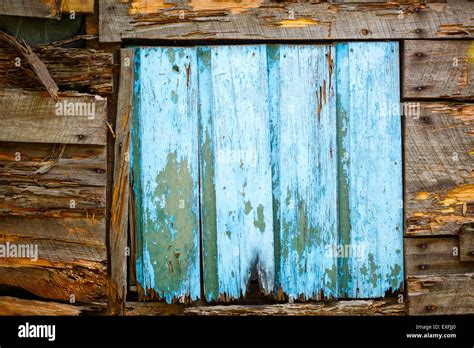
[[297, 150], [240, 154], [368, 94]]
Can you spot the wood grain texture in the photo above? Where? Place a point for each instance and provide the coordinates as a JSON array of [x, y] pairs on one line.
[[354, 307], [83, 232], [84, 70], [441, 295], [439, 186], [434, 256], [304, 165], [466, 243], [63, 282], [257, 20], [22, 110], [438, 69], [71, 257], [45, 8], [37, 66], [52, 180], [165, 168], [370, 169], [41, 8], [153, 309], [22, 307], [65, 240], [117, 230], [242, 173]]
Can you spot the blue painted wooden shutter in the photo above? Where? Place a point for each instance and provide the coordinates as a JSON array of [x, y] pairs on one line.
[[297, 153], [165, 172]]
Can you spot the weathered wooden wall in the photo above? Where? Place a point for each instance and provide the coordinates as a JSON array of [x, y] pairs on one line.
[[53, 179], [439, 184], [55, 167]]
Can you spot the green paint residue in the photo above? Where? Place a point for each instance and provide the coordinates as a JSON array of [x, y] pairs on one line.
[[344, 224], [204, 56], [394, 276], [170, 52], [259, 223], [297, 232], [174, 97], [272, 53], [175, 225], [209, 216], [373, 270], [248, 207], [331, 275]]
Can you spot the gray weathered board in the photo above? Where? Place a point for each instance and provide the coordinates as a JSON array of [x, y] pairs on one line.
[[439, 186], [438, 69], [257, 20]]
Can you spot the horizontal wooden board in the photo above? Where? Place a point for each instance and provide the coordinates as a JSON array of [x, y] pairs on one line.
[[434, 256], [466, 243], [41, 8], [84, 70], [81, 120], [153, 309], [353, 307], [52, 180], [441, 295], [259, 20], [45, 8], [439, 181], [19, 307], [438, 69], [59, 240], [71, 257], [32, 200], [52, 165], [86, 284]]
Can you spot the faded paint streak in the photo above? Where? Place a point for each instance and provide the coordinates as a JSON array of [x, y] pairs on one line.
[[371, 160], [237, 89], [164, 150], [304, 189]]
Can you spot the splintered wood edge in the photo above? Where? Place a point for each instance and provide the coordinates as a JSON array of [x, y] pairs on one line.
[[119, 210], [389, 307]]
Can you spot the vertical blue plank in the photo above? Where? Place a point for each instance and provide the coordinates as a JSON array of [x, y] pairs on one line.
[[304, 165], [238, 123], [370, 177], [166, 144]]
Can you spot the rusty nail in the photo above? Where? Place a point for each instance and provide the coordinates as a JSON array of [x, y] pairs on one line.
[[364, 31]]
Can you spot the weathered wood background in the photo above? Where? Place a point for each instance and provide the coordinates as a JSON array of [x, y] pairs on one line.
[[64, 159]]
